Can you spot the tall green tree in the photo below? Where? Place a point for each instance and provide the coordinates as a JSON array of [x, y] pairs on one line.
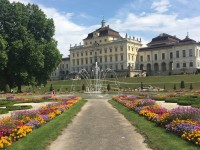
[[31, 52]]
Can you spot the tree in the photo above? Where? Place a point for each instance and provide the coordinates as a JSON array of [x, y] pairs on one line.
[[30, 51], [108, 87], [182, 85]]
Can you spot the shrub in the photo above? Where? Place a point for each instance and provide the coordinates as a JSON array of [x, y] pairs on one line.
[[108, 87], [51, 88], [141, 86], [7, 89], [174, 87], [182, 86], [83, 87], [191, 87]]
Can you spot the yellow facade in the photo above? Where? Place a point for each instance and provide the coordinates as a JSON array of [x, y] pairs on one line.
[[110, 51]]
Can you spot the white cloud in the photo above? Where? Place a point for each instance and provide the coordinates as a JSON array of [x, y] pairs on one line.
[[66, 32], [155, 23], [161, 6]]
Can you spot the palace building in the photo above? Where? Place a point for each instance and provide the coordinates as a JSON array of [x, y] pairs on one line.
[[164, 55], [167, 54]]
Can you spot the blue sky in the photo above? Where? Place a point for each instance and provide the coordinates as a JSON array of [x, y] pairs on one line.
[[145, 19]]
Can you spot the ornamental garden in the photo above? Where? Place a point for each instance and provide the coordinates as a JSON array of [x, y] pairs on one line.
[[19, 118]]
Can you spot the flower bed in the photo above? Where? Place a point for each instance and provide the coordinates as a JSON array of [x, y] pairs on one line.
[[21, 123], [182, 121]]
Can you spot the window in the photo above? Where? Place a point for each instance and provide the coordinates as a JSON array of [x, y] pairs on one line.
[[121, 57], [116, 58], [132, 58], [129, 57], [191, 64], [122, 67], [105, 50], [163, 56], [184, 53], [100, 51], [110, 50], [90, 60], [115, 49], [155, 56], [110, 58], [90, 42], [121, 48], [105, 66], [129, 48], [190, 53], [105, 40], [100, 41], [86, 61], [132, 49], [177, 54], [177, 65], [100, 59], [148, 57], [67, 66], [81, 54], [77, 54], [116, 67], [90, 53], [86, 53], [105, 58], [82, 61], [73, 62], [141, 58], [77, 61], [184, 64], [171, 55]]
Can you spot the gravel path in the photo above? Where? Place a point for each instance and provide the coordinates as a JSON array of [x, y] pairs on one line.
[[99, 127]]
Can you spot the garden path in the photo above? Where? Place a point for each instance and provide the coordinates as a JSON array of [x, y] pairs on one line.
[[99, 127]]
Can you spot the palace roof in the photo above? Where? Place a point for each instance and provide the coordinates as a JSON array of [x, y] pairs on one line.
[[104, 31]]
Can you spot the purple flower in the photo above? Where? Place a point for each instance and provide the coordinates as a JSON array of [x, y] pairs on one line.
[[18, 115], [184, 113], [181, 128], [132, 97], [146, 102], [138, 109], [33, 123], [45, 117]]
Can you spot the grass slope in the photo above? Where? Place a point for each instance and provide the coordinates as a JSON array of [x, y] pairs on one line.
[[156, 137], [156, 81], [42, 136]]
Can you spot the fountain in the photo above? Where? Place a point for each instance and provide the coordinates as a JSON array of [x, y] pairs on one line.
[[96, 81]]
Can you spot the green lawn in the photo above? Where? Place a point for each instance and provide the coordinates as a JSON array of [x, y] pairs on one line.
[[156, 137], [9, 104], [40, 138], [191, 100], [156, 81]]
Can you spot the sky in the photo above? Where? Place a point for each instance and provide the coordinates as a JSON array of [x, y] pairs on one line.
[[144, 19]]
